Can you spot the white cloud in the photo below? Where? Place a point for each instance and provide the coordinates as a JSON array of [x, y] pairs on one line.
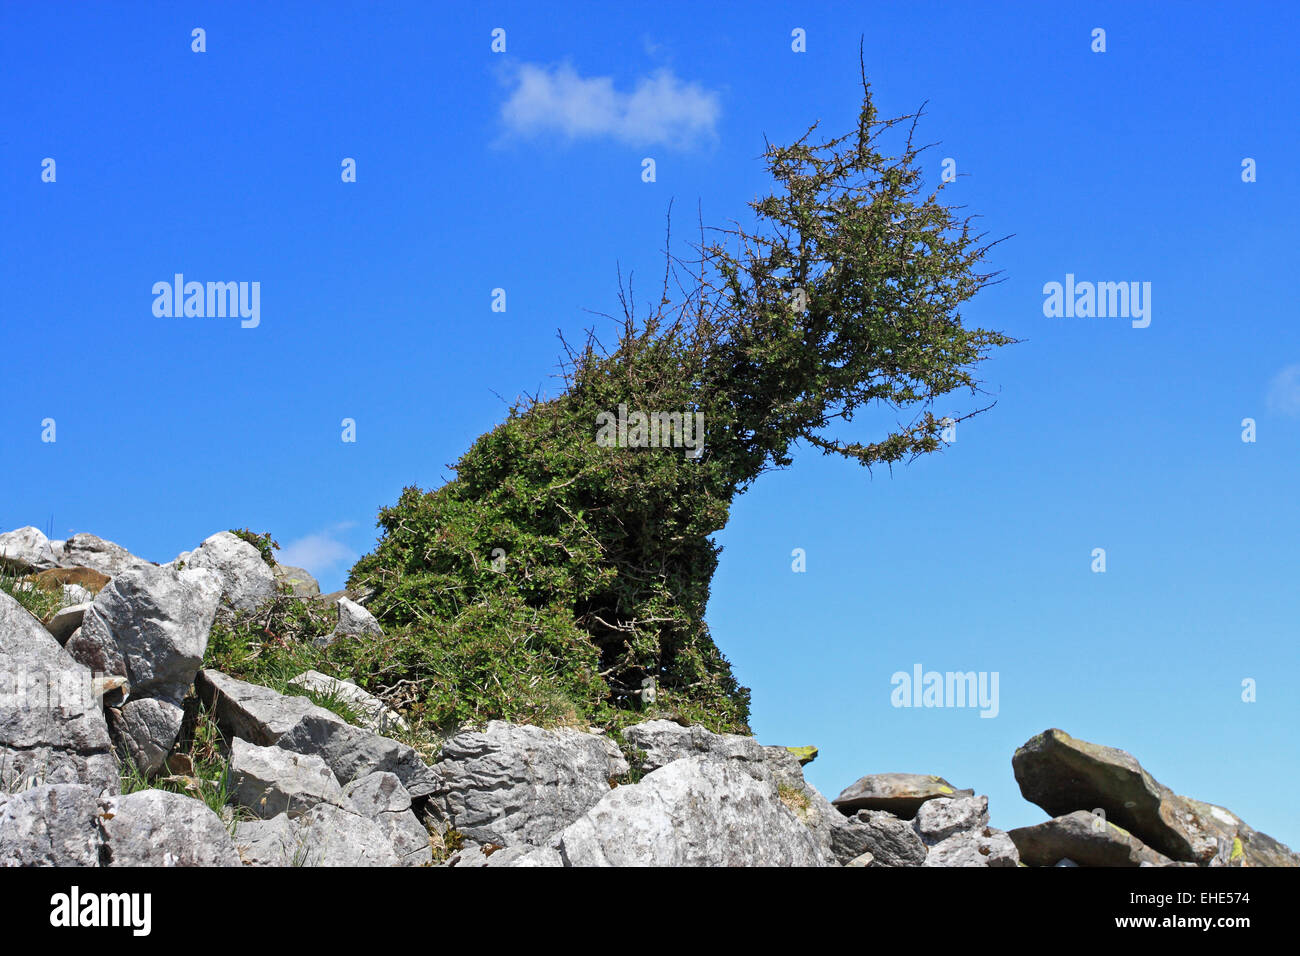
[[1284, 391], [660, 109], [320, 553]]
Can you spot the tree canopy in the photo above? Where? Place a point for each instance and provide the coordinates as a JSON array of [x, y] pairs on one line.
[[559, 576]]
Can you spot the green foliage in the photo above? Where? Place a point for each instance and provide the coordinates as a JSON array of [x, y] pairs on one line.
[[202, 743], [554, 575], [262, 542], [41, 603]]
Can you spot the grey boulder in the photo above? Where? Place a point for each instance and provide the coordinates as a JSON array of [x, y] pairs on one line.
[[299, 581], [146, 728], [353, 753], [940, 818], [983, 847], [158, 619], [51, 825], [89, 551], [380, 797], [890, 841], [664, 741], [52, 727], [270, 780], [247, 581], [326, 835], [354, 621], [157, 828], [26, 550], [510, 784], [252, 712], [696, 811]]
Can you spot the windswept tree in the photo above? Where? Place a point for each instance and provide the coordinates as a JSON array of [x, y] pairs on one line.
[[563, 578]]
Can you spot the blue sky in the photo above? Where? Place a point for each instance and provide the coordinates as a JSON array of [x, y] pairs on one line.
[[522, 171]]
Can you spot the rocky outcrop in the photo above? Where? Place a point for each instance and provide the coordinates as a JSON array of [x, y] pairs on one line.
[[26, 550], [109, 559], [246, 580], [509, 784], [52, 727], [1084, 839], [270, 781], [250, 711], [696, 811], [1063, 774], [157, 828], [664, 741]]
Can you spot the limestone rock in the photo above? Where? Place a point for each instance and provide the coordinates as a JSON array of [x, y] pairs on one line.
[[157, 828], [247, 581], [983, 847], [509, 784], [940, 818], [52, 727], [898, 793], [270, 780], [252, 712], [665, 741], [891, 841], [26, 550], [372, 713], [381, 797], [51, 825], [89, 551], [696, 811], [146, 729], [353, 753], [158, 619]]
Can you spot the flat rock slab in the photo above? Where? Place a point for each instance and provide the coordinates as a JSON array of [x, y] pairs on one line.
[[898, 793], [270, 780], [1084, 839], [252, 712], [353, 753]]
